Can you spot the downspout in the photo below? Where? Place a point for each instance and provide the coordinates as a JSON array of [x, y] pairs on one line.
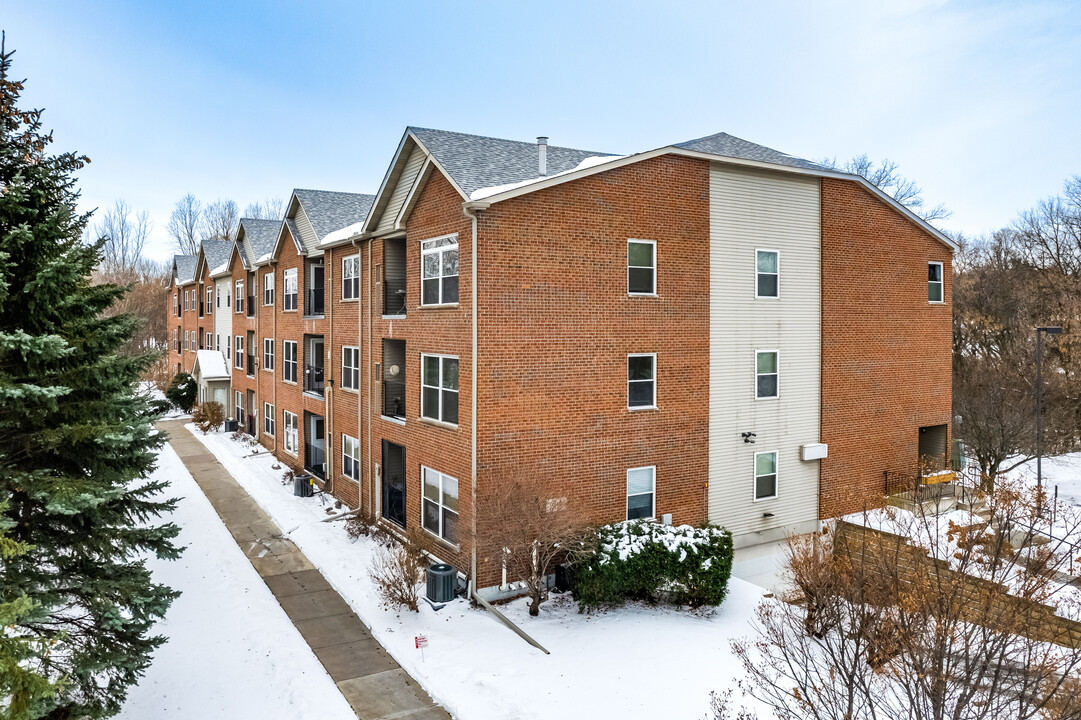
[[328, 371], [274, 373], [366, 469], [468, 209]]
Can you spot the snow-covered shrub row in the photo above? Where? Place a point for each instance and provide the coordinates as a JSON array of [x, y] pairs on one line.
[[643, 560]]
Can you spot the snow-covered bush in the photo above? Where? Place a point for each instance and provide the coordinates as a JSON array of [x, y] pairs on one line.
[[643, 560], [181, 392]]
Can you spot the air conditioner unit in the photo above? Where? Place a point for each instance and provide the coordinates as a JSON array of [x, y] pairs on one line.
[[813, 451]]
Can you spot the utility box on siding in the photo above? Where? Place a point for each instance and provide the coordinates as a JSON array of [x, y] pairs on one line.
[[813, 451]]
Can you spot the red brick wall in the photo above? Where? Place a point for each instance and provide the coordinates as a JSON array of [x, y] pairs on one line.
[[241, 325], [342, 404], [886, 351]]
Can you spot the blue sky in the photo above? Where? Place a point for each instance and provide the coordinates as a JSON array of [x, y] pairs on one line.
[[978, 102]]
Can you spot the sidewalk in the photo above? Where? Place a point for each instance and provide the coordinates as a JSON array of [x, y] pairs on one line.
[[371, 681]]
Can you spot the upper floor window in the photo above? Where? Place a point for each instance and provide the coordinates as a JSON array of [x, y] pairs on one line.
[[641, 495], [351, 277], [351, 368], [641, 267], [176, 305], [641, 380], [439, 270], [209, 341], [217, 295], [439, 388], [934, 282], [289, 360], [238, 306], [187, 341], [766, 374], [767, 274], [765, 475], [239, 346], [186, 303], [289, 296], [268, 289], [440, 511], [268, 353], [210, 300]]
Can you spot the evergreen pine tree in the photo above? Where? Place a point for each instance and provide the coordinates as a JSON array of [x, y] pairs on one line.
[[77, 442]]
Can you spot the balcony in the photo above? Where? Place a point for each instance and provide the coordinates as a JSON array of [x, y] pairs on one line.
[[251, 306], [251, 366], [313, 379], [315, 460], [393, 378], [251, 425], [202, 308], [313, 302]]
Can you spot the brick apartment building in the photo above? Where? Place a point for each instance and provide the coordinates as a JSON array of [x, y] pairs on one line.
[[712, 331]]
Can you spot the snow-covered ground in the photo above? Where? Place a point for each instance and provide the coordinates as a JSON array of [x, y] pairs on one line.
[[232, 652], [1063, 471], [633, 662]]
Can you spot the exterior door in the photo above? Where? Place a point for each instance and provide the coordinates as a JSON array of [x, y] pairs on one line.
[[393, 489]]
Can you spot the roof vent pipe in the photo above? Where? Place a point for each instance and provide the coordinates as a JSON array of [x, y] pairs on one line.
[[542, 149]]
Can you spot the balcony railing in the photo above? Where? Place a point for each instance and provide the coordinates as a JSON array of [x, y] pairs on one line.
[[313, 379], [313, 302], [201, 308], [251, 306], [315, 460], [251, 365], [394, 398]]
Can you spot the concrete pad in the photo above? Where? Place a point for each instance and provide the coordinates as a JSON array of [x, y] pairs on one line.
[[313, 605], [391, 693], [263, 547], [355, 659], [278, 564], [332, 630], [296, 583], [249, 532]]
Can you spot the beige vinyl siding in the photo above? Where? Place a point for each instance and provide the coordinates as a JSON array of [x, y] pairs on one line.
[[758, 210], [308, 237], [401, 190]]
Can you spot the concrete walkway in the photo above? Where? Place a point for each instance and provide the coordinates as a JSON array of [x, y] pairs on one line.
[[370, 679]]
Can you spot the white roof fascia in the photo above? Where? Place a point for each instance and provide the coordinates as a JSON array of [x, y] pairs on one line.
[[414, 193]]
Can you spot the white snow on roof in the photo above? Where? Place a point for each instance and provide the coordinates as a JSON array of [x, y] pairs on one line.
[[343, 233], [589, 162], [211, 364], [220, 269]]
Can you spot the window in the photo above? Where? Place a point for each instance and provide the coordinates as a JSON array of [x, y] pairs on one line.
[[290, 421], [217, 295], [767, 274], [176, 305], [439, 388], [268, 419], [765, 374], [934, 282], [289, 360], [185, 300], [268, 289], [210, 300], [210, 341], [238, 306], [228, 297], [176, 344], [640, 492], [289, 297], [187, 342], [641, 267], [765, 475], [351, 277], [440, 512], [268, 353], [239, 347], [439, 270], [217, 342], [351, 368], [228, 347], [350, 457], [641, 381]]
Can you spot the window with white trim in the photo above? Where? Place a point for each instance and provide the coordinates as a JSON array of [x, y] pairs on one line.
[[642, 380], [351, 368], [934, 282], [351, 277], [187, 341], [176, 340], [766, 377], [439, 270], [176, 305], [350, 457], [268, 419], [765, 475], [185, 301], [439, 388], [239, 348], [210, 341], [268, 353], [217, 342], [767, 274], [209, 300], [641, 267], [268, 288], [641, 495], [289, 295], [289, 422], [217, 295], [289, 360], [238, 306], [439, 513], [228, 348]]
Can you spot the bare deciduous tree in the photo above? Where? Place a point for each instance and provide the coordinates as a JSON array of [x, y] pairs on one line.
[[885, 177], [220, 220], [268, 209], [529, 533], [125, 234], [184, 224]]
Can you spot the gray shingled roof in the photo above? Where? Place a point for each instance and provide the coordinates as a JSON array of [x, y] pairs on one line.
[[185, 268], [259, 238], [329, 211], [730, 146], [294, 231], [216, 253], [476, 162]]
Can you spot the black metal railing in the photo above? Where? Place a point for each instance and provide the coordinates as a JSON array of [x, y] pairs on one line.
[[313, 302], [313, 379], [315, 459], [251, 306], [251, 365], [394, 398], [201, 308]]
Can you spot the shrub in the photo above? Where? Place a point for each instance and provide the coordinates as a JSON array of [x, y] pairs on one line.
[[643, 560], [209, 416], [181, 392], [398, 570]]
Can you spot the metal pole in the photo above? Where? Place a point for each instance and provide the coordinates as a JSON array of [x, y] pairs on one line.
[[1039, 423]]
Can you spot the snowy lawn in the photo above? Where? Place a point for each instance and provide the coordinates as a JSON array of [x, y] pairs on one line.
[[232, 652], [1063, 471], [634, 662]]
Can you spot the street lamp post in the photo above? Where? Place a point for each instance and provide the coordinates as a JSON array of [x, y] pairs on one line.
[[1039, 413]]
